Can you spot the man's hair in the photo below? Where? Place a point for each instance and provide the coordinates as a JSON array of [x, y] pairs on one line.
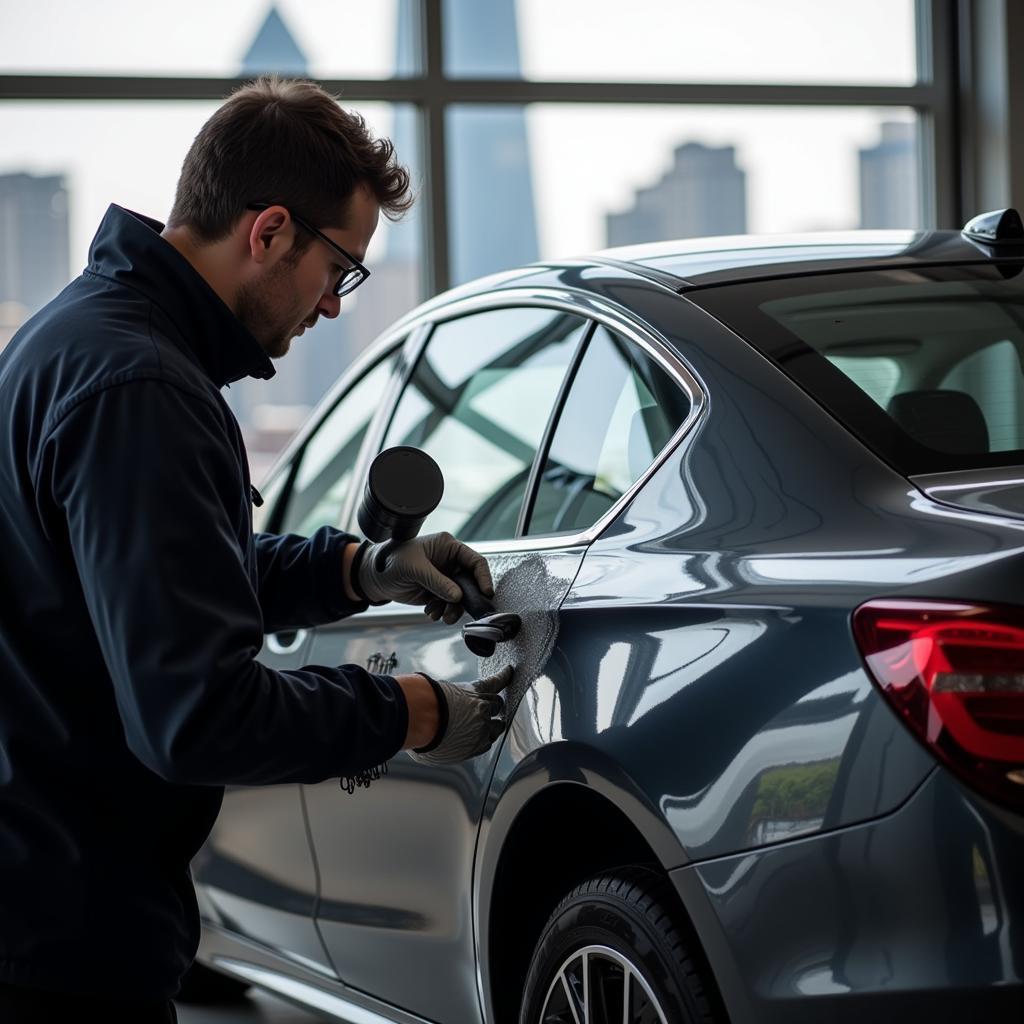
[[284, 141]]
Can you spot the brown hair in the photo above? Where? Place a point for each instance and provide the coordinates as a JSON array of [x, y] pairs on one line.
[[284, 141]]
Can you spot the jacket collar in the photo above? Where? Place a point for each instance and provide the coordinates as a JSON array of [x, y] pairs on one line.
[[128, 249]]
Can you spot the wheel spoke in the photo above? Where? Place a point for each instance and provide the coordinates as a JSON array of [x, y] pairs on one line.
[[586, 988], [570, 998], [591, 987]]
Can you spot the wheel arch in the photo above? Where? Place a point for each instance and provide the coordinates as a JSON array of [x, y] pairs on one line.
[[550, 830]]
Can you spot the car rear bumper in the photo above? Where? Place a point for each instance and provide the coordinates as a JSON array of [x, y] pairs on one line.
[[918, 915]]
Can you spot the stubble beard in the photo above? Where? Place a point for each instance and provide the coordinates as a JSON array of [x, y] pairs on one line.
[[258, 308]]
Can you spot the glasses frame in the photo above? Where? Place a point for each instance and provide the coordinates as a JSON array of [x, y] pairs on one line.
[[351, 277]]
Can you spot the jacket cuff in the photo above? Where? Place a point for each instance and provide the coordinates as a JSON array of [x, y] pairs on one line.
[[332, 577], [442, 712]]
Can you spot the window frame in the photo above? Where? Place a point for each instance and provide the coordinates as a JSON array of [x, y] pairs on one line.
[[934, 99], [593, 308]]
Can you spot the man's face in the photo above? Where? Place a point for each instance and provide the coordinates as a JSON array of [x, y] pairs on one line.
[[294, 291]]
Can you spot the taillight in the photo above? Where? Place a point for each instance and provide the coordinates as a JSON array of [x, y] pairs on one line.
[[955, 673]]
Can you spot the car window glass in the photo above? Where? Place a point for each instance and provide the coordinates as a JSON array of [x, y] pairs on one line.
[[877, 376], [478, 402], [992, 377], [622, 409], [324, 476]]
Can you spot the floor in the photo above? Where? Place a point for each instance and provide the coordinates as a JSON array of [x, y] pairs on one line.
[[258, 1008]]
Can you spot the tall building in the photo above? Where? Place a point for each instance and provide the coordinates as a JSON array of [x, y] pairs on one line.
[[492, 215], [274, 49], [703, 193], [34, 240], [888, 179]]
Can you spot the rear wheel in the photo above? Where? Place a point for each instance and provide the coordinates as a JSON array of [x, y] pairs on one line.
[[611, 953]]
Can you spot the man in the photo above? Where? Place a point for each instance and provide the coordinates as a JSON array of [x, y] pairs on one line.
[[134, 596]]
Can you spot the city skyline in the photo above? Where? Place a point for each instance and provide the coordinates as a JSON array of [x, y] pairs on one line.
[[540, 181]]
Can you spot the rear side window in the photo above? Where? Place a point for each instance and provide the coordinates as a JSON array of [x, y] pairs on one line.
[[621, 411], [923, 364], [478, 402]]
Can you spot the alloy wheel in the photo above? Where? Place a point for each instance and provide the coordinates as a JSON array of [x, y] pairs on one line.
[[598, 985]]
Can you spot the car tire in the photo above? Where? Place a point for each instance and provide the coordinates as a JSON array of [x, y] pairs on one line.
[[615, 926], [201, 985]]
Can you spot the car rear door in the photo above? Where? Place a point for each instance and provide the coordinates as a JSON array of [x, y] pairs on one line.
[[395, 860]]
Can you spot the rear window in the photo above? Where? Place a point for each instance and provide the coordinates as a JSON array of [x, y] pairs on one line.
[[923, 364]]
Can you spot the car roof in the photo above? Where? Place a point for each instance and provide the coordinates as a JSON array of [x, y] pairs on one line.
[[701, 262], [688, 264]]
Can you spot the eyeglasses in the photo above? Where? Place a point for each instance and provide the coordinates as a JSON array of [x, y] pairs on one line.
[[352, 276]]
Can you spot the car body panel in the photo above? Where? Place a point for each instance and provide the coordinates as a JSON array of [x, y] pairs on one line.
[[256, 867], [924, 904]]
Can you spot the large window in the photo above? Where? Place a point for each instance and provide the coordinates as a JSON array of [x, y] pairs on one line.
[[534, 129]]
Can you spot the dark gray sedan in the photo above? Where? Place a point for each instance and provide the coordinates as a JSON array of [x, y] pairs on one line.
[[760, 507]]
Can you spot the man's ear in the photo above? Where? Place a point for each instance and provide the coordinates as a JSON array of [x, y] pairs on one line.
[[271, 234]]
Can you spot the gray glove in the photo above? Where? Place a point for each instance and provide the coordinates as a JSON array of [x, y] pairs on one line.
[[470, 720], [415, 572]]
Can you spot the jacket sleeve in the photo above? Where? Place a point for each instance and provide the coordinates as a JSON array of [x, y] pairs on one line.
[[300, 579], [141, 479]]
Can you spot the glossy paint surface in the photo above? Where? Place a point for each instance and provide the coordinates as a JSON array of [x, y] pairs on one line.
[[257, 868], [694, 668], [915, 912]]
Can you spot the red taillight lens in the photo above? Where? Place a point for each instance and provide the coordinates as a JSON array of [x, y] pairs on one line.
[[955, 672]]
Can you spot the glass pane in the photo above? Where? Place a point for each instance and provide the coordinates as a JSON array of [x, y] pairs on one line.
[[947, 343], [877, 376], [478, 403], [648, 173], [62, 164], [621, 411], [784, 41], [311, 38], [324, 477], [993, 378]]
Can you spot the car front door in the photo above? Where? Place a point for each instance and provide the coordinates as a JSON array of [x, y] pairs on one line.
[[256, 869], [395, 860]]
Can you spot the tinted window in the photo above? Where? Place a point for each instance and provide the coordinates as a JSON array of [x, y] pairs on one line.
[[923, 364], [324, 477], [478, 402], [622, 409]]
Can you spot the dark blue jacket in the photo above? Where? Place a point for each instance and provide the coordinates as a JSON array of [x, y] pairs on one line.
[[134, 599]]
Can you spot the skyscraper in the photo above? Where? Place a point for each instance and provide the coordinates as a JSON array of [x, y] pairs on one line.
[[888, 179], [34, 239], [703, 193], [493, 222]]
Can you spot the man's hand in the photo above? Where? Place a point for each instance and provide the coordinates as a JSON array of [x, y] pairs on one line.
[[470, 719], [417, 572]]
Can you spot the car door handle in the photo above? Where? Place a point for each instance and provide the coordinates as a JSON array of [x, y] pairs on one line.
[[490, 627], [287, 641]]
